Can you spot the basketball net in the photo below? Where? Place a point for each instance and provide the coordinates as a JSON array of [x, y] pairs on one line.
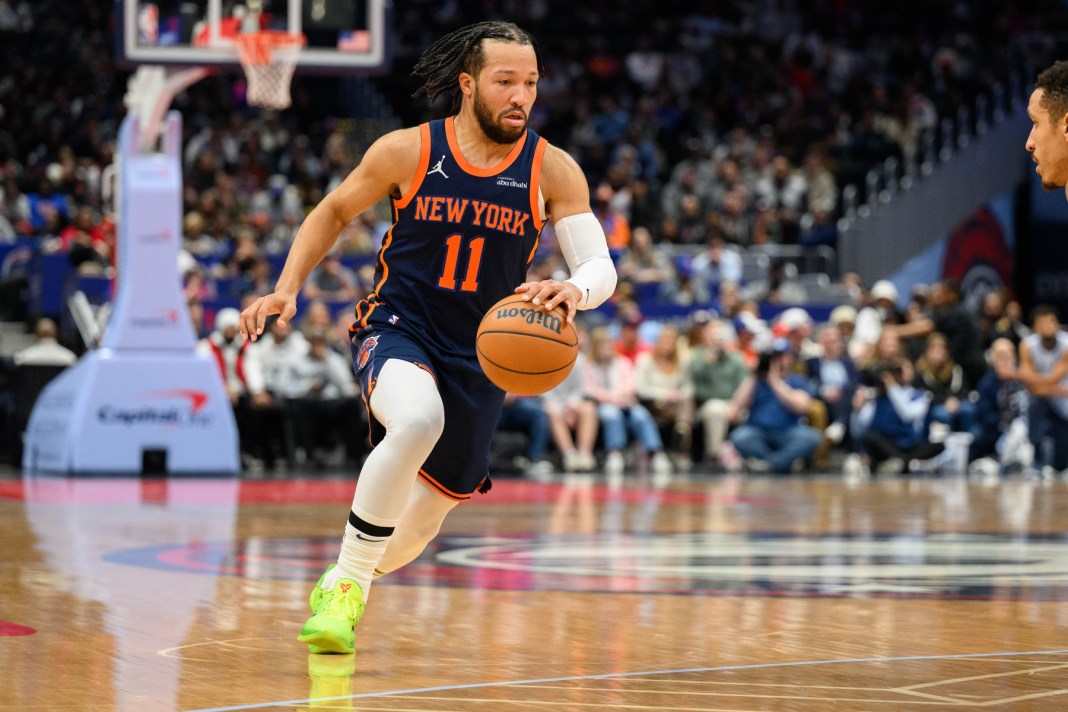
[[269, 58]]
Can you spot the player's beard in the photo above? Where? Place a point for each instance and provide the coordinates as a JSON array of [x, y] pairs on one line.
[[494, 127]]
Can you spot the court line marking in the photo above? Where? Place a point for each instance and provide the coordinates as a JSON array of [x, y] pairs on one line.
[[1032, 696], [951, 681], [870, 700], [618, 675]]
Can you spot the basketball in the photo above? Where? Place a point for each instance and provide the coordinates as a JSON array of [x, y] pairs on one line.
[[524, 349]]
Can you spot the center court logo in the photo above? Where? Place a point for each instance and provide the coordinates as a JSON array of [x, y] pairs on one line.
[[955, 566]]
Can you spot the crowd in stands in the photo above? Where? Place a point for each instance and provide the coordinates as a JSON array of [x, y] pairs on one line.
[[711, 133], [937, 386]]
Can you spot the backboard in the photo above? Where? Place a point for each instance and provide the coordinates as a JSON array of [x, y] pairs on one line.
[[343, 36]]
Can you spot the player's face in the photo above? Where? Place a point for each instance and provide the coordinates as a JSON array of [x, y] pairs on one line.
[[1048, 143], [505, 90]]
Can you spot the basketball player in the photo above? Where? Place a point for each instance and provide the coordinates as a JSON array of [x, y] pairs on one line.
[[470, 195], [1048, 141]]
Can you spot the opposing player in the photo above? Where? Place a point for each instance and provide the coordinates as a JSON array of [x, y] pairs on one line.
[[470, 195], [1048, 140]]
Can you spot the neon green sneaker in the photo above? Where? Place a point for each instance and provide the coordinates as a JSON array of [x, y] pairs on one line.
[[337, 611]]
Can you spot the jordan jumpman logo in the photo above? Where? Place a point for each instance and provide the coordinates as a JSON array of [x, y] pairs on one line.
[[437, 168]]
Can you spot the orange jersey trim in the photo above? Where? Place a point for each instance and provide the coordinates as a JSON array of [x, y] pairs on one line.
[[425, 368], [454, 146], [420, 170], [441, 489], [535, 184], [382, 260], [364, 307]]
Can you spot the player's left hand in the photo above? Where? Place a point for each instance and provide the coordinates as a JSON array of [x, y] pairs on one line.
[[549, 294]]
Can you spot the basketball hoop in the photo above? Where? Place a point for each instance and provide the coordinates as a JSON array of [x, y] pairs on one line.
[[269, 58]]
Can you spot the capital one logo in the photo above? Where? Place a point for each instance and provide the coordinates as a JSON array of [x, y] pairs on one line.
[[157, 319], [177, 407]]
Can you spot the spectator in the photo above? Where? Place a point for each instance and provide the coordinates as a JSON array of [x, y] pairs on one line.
[[194, 238], [610, 383], [684, 290], [644, 263], [630, 344], [332, 281], [952, 318], [276, 354], [318, 317], [881, 310], [1000, 428], [47, 205], [996, 322], [15, 208], [717, 264], [1044, 370], [571, 410], [692, 222], [257, 278], [526, 415], [85, 242], [944, 380], [835, 379], [245, 385], [752, 333], [890, 419], [773, 438], [781, 191], [716, 371], [844, 318], [795, 324], [278, 201], [321, 390], [615, 224], [663, 385], [45, 350]]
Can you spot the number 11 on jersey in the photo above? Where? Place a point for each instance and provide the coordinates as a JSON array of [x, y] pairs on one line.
[[453, 247]]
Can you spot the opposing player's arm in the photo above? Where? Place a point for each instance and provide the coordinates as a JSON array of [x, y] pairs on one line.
[[386, 169], [580, 236]]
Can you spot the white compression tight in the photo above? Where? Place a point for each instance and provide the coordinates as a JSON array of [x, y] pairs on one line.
[[406, 402], [419, 523]]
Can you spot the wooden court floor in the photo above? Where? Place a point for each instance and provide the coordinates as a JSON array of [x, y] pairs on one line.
[[710, 593]]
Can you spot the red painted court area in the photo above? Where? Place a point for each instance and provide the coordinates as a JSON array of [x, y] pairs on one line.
[[297, 491]]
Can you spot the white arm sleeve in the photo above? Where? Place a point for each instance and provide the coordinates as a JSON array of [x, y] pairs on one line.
[[585, 248]]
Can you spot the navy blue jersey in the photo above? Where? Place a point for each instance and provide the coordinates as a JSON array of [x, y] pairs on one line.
[[461, 240]]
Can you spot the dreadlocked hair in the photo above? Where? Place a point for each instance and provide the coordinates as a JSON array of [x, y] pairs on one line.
[[1054, 85], [461, 51]]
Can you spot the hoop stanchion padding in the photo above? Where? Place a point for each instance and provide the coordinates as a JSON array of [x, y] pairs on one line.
[[269, 58]]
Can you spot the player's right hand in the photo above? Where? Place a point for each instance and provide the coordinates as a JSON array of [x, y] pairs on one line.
[[254, 318]]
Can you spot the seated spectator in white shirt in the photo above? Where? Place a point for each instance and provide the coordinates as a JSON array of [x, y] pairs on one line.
[[45, 351]]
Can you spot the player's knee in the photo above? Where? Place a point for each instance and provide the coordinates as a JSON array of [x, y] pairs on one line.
[[419, 427]]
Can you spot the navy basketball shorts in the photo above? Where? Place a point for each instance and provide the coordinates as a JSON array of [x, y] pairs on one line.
[[458, 465]]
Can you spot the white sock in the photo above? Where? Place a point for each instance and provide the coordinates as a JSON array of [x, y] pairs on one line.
[[364, 544]]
